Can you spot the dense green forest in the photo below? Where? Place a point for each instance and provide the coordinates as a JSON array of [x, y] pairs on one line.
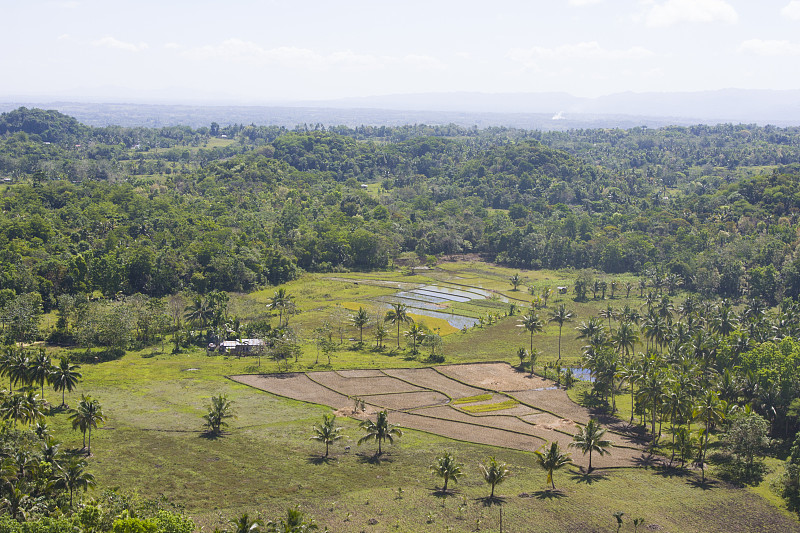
[[156, 211]]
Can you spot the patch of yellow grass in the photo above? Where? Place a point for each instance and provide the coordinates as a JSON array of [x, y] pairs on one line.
[[488, 407], [472, 399]]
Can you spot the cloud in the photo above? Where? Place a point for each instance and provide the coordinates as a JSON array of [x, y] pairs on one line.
[[110, 42], [581, 3], [772, 48], [237, 50], [172, 46], [792, 10], [530, 57], [673, 12]]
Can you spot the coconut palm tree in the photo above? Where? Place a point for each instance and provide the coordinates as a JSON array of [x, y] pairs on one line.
[[416, 333], [245, 524], [73, 476], [609, 314], [40, 369], [546, 293], [590, 439], [398, 315], [532, 323], [6, 364], [360, 319], [380, 430], [590, 329], [219, 410], [295, 522], [86, 416], [561, 316], [327, 432], [515, 280], [14, 407], [630, 372], [724, 322], [447, 468], [198, 311], [494, 473], [380, 334], [625, 339], [18, 369], [65, 378], [281, 302], [711, 411], [551, 460]]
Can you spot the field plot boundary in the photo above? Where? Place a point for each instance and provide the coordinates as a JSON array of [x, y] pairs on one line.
[[398, 388]]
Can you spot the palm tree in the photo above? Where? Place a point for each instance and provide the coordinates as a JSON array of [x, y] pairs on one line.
[[14, 407], [630, 373], [447, 468], [725, 320], [65, 378], [86, 416], [398, 315], [494, 473], [220, 409], [327, 432], [18, 369], [515, 280], [380, 334], [34, 407], [380, 430], [522, 353], [245, 524], [609, 314], [711, 411], [359, 320], [552, 460], [73, 476], [561, 316], [590, 329], [6, 363], [281, 302], [40, 369], [416, 333], [198, 312], [295, 522], [546, 293], [532, 323], [625, 339], [590, 439], [651, 393]]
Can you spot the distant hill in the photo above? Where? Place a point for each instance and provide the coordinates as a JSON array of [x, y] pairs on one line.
[[539, 111]]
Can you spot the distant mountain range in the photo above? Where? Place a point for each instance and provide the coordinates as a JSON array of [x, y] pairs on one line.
[[546, 111]]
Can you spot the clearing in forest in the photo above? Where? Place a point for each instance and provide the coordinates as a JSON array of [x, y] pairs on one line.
[[484, 403]]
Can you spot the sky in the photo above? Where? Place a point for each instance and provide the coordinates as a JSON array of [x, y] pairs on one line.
[[257, 52]]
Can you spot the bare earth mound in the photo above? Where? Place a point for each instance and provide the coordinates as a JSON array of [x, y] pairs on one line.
[[421, 399]]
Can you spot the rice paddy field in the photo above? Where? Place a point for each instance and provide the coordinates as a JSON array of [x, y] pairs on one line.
[[476, 404]]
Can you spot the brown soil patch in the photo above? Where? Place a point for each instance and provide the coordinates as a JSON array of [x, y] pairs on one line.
[[429, 378], [407, 400], [420, 399], [362, 386], [494, 376], [360, 373], [296, 386], [555, 401]]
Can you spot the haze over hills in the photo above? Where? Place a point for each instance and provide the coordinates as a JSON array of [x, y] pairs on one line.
[[544, 111]]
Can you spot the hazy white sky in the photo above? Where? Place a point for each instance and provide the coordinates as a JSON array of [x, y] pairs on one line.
[[267, 51]]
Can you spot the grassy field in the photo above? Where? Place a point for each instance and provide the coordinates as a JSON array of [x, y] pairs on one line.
[[153, 441]]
